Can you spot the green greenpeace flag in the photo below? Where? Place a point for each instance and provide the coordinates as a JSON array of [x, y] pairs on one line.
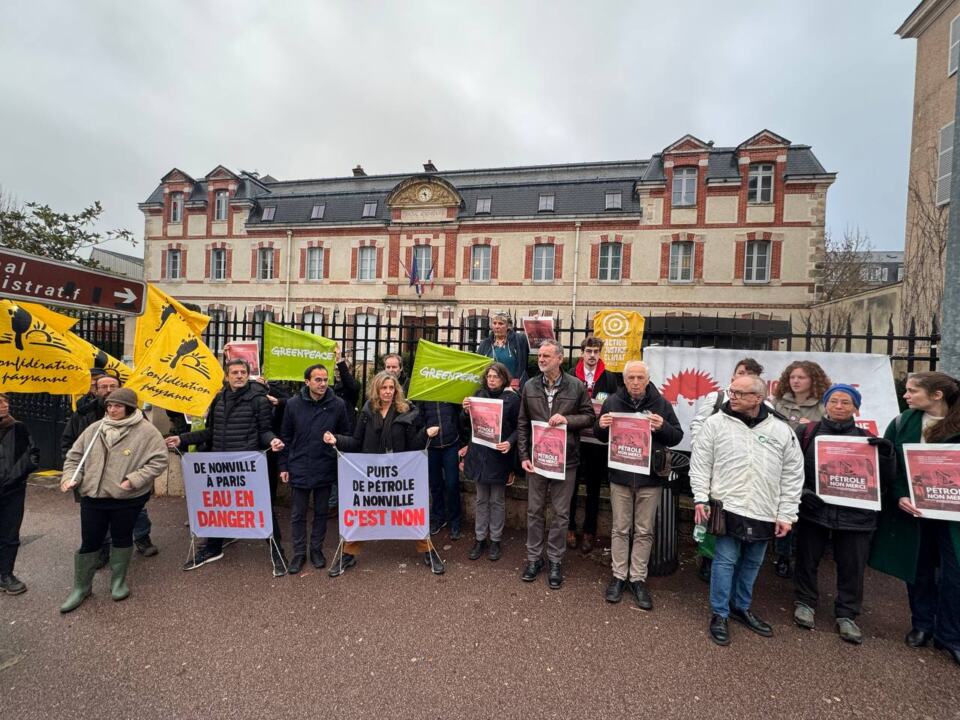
[[445, 375], [288, 352]]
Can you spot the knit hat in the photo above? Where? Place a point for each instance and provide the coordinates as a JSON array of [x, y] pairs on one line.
[[123, 396], [848, 389]]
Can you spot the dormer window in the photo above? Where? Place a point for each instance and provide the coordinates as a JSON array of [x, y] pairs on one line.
[[546, 203], [760, 184], [317, 212], [176, 207], [613, 201], [268, 213], [370, 209], [483, 206], [684, 186], [220, 205]]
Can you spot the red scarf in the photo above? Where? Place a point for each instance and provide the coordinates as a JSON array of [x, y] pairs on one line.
[[578, 371]]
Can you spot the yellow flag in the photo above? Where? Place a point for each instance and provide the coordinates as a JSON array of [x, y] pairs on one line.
[[160, 307], [622, 335], [178, 372], [37, 357]]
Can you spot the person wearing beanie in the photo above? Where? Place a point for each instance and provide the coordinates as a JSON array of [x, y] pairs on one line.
[[849, 530], [113, 465], [18, 458]]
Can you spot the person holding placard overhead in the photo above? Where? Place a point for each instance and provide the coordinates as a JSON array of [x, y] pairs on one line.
[[489, 467], [387, 424], [923, 552], [847, 529], [635, 496]]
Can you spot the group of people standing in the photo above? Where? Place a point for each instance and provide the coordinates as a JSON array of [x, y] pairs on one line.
[[752, 473]]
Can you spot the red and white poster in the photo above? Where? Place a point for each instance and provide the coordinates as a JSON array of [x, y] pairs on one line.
[[486, 419], [586, 435], [629, 448], [847, 472], [549, 450], [933, 476], [869, 425], [538, 329], [245, 350]]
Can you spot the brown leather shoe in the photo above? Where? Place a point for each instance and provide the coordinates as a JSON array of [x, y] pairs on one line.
[[571, 539], [586, 547]]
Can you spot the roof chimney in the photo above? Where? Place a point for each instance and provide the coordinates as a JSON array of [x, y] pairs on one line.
[[428, 166], [358, 171]]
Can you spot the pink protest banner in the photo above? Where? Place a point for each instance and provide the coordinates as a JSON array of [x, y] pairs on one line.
[[629, 448], [486, 419], [933, 477], [245, 350], [228, 494], [538, 329], [847, 472], [869, 425], [549, 450]]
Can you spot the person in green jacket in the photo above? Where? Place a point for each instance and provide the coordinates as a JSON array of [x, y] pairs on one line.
[[910, 546]]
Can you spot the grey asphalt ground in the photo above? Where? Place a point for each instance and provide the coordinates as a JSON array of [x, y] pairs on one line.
[[391, 640]]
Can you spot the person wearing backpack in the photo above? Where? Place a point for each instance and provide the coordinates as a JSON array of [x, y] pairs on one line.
[[847, 529]]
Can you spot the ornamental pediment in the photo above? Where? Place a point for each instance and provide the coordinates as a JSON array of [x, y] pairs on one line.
[[424, 191]]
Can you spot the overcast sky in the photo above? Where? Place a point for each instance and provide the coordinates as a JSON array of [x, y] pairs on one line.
[[101, 99]]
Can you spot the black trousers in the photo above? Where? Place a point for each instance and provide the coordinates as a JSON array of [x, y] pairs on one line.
[[100, 515], [591, 471], [11, 518], [215, 545], [298, 518], [851, 548]]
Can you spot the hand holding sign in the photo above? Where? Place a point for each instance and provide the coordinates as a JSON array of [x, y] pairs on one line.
[[909, 508], [605, 420], [276, 444], [329, 438], [433, 431], [557, 420]]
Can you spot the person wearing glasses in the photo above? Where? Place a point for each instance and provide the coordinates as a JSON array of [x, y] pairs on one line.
[[750, 461]]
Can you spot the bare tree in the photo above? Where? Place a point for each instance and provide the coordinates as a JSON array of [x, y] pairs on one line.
[[845, 262]]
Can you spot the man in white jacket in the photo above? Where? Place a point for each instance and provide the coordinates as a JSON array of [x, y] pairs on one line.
[[750, 461]]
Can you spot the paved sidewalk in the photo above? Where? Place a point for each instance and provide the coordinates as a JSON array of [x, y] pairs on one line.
[[390, 640]]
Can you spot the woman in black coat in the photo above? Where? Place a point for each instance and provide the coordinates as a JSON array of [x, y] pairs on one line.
[[848, 529], [387, 424], [18, 458], [489, 467]]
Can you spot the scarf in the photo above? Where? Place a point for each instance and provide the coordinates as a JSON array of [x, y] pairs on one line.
[[114, 430], [6, 422], [579, 372]]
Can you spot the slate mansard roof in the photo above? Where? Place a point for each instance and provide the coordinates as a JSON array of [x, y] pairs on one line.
[[579, 189]]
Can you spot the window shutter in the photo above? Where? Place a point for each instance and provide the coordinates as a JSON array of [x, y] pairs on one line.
[[557, 262], [739, 259], [595, 261], [625, 263], [528, 262], [775, 254], [954, 57], [944, 164], [664, 261]]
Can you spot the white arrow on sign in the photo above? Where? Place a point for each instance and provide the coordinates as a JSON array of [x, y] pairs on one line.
[[127, 296]]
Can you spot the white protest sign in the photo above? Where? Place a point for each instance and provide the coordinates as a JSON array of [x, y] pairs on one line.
[[384, 497], [685, 376], [228, 494]]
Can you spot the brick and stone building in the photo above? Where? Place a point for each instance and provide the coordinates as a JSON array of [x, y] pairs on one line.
[[695, 228]]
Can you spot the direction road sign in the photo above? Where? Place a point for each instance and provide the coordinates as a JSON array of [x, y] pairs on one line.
[[37, 279]]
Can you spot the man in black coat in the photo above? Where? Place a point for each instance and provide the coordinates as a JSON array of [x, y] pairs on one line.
[[634, 497], [308, 464], [240, 418]]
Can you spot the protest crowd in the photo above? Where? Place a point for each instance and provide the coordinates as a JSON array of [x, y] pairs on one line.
[[791, 469]]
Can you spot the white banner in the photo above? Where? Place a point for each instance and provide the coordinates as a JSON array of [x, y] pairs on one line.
[[685, 376], [228, 494], [384, 497]]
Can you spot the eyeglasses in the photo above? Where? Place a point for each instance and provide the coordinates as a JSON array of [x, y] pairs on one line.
[[739, 394]]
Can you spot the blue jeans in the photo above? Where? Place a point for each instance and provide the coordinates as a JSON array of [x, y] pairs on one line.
[[935, 595], [736, 565], [444, 464]]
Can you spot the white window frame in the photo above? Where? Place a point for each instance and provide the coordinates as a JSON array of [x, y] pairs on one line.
[[174, 264], [610, 262], [547, 202], [684, 187], [953, 53], [899, 273], [613, 200], [220, 205], [424, 257], [218, 270], [760, 184], [268, 213], [367, 263], [681, 262], [318, 211], [176, 207], [314, 258], [480, 263], [369, 209], [753, 272], [312, 322], [265, 264], [364, 339], [944, 162], [544, 258], [483, 206]]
